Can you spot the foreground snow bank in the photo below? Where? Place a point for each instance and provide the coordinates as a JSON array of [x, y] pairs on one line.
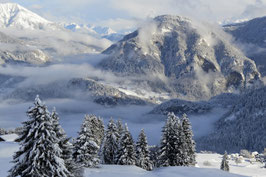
[[7, 150], [133, 171]]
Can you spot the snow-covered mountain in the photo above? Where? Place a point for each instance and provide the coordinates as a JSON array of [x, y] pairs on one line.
[[47, 36], [98, 31], [14, 15], [190, 59], [251, 36], [15, 51]]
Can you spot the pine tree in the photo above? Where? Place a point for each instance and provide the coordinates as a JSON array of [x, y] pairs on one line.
[[65, 146], [143, 153], [170, 153], [188, 146], [126, 153], [120, 127], [225, 164], [85, 147], [98, 128], [110, 146], [39, 153]]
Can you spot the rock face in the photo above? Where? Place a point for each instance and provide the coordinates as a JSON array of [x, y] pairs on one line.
[[193, 61], [251, 35]]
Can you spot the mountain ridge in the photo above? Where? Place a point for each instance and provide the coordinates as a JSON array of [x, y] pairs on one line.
[[194, 59]]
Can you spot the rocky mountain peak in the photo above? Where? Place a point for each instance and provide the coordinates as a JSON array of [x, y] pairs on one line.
[[191, 58]]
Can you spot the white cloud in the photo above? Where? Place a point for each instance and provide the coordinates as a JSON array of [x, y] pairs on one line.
[[118, 13]]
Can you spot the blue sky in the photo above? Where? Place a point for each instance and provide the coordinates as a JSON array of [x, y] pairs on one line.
[[126, 13]]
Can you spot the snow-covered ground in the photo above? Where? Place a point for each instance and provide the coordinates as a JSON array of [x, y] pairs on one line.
[[133, 171], [203, 169]]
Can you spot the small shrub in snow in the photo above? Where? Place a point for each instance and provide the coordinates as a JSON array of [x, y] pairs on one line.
[[207, 163], [225, 163], [245, 153], [239, 160]]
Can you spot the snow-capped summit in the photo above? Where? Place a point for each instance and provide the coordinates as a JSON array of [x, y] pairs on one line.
[[104, 30], [14, 15]]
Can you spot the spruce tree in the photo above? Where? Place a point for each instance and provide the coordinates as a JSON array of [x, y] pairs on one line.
[[188, 146], [85, 147], [170, 153], [225, 164], [65, 146], [39, 153], [126, 153], [110, 146], [98, 128], [120, 127], [143, 153]]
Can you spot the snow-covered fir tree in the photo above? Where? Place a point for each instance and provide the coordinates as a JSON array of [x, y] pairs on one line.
[[154, 155], [170, 153], [39, 153], [120, 127], [65, 146], [142, 152], [110, 145], [85, 147], [98, 128], [225, 163], [126, 152], [188, 145]]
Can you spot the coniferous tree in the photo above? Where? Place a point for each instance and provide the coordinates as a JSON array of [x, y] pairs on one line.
[[143, 153], [154, 155], [85, 147], [110, 146], [39, 153], [120, 127], [126, 153], [188, 146], [170, 153], [98, 128], [65, 146], [225, 164]]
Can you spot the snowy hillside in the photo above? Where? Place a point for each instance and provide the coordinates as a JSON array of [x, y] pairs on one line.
[[15, 51], [244, 124], [251, 38], [174, 54], [14, 15]]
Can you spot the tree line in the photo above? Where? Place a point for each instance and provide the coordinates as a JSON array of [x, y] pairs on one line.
[[45, 150]]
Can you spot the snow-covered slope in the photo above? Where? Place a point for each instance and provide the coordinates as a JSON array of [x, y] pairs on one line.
[[242, 127], [251, 36], [175, 54], [133, 171], [16, 51], [14, 15]]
